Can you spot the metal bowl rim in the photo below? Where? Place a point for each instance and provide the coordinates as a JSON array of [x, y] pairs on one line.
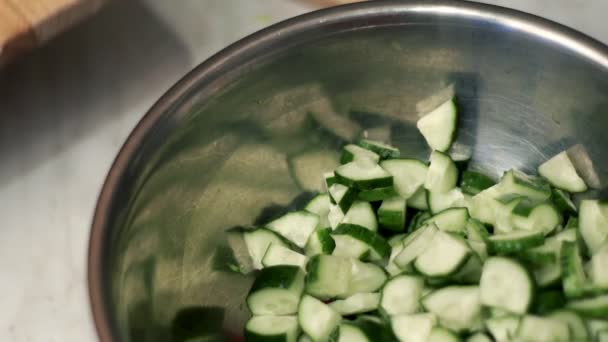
[[573, 40]]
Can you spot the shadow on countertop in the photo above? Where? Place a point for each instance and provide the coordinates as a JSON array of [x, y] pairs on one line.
[[91, 75]]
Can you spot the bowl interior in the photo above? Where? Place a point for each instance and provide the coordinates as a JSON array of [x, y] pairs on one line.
[[249, 135]]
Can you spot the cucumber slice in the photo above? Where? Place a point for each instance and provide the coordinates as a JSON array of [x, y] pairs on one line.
[[378, 194], [443, 256], [349, 247], [470, 272], [320, 205], [397, 239], [595, 326], [548, 275], [317, 320], [536, 216], [418, 220], [383, 150], [439, 201], [560, 172], [378, 247], [362, 214], [365, 277], [480, 248], [408, 175], [593, 223], [456, 307], [576, 325], [364, 175], [364, 329], [574, 279], [483, 204], [276, 291], [478, 337], [335, 216], [356, 304], [295, 226], [328, 276], [330, 179], [419, 200], [515, 241], [439, 126], [353, 152], [439, 334], [392, 213], [517, 182], [413, 328], [391, 266], [540, 329], [450, 220], [473, 182], [415, 244], [343, 196], [401, 295], [563, 202], [476, 231], [257, 242], [320, 242], [280, 255], [598, 268], [503, 328], [594, 307], [505, 284], [306, 167], [442, 175], [272, 328]]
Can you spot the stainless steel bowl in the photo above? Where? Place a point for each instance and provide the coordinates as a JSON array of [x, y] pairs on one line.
[[215, 151]]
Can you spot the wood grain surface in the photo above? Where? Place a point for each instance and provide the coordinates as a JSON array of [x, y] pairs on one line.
[[25, 24]]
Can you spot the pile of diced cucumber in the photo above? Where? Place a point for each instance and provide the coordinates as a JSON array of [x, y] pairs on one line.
[[398, 249]]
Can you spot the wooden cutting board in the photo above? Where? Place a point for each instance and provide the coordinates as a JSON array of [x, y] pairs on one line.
[[25, 24]]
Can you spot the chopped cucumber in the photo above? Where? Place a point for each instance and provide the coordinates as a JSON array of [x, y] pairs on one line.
[[272, 328], [413, 328], [574, 322], [317, 320], [320, 242], [442, 174], [392, 212], [415, 244], [540, 329], [335, 216], [257, 242], [517, 182], [439, 334], [408, 175], [515, 241], [418, 220], [456, 307], [378, 247], [476, 231], [560, 172], [365, 277], [320, 205], [328, 276], [593, 223], [598, 268], [506, 284], [478, 337], [276, 291], [364, 329], [356, 304], [440, 201], [383, 150], [450, 220], [353, 152], [391, 266], [473, 182], [574, 279], [419, 200], [342, 195], [503, 328], [349, 247], [439, 126], [377, 194], [443, 256], [536, 216], [362, 214], [594, 307], [296, 226], [363, 174], [401, 295], [280, 255], [562, 201]]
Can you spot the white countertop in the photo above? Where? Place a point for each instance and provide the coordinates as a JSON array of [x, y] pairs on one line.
[[66, 109]]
